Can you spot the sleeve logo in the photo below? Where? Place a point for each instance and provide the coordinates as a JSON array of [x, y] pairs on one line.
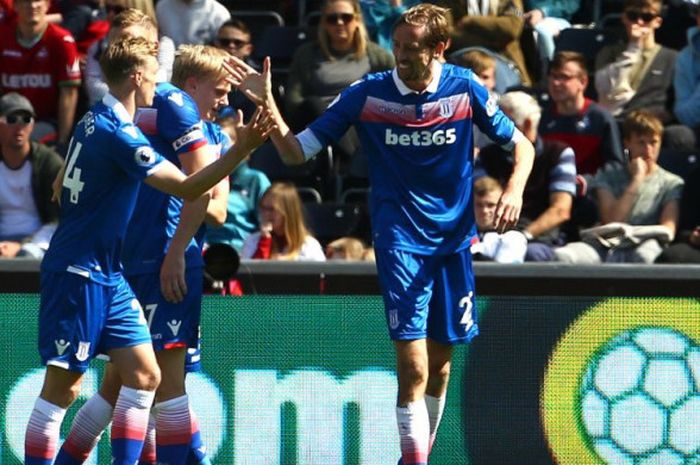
[[144, 156], [491, 106]]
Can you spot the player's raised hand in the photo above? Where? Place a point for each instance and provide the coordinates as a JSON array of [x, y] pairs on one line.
[[172, 277], [507, 210], [254, 133], [256, 86]]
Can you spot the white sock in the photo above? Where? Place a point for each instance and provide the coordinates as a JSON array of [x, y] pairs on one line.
[[435, 406], [414, 432], [87, 428], [43, 430]]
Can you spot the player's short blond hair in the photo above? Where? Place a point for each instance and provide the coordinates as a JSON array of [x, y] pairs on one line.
[[133, 17], [521, 106], [124, 56], [436, 19], [200, 61]]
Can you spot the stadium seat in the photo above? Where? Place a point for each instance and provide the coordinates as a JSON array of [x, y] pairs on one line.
[[587, 42], [280, 43], [679, 162], [313, 174], [329, 221], [258, 20]]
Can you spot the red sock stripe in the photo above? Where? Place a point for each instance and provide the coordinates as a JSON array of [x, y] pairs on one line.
[[124, 432], [41, 451], [75, 451], [411, 458]]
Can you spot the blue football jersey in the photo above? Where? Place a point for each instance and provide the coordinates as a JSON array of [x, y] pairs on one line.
[[174, 128], [107, 159], [420, 150]]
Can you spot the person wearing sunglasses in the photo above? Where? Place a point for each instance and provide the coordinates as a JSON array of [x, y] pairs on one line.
[[635, 73], [28, 217], [341, 55]]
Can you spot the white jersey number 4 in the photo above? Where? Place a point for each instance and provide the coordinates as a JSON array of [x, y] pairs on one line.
[[467, 303], [71, 178]]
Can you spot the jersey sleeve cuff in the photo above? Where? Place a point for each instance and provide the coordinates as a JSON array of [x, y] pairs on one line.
[[517, 137], [310, 144]]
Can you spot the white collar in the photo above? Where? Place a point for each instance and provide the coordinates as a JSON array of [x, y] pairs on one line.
[[436, 71], [117, 106]]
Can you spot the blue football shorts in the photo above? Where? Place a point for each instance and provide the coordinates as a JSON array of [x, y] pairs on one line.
[[428, 296], [172, 325], [79, 318]]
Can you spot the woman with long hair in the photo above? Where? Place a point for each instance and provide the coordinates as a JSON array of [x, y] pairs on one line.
[[283, 233]]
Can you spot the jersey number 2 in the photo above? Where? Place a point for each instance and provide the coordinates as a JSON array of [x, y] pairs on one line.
[[71, 178]]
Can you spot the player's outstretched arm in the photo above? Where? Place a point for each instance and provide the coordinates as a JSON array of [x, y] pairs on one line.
[[511, 201], [258, 88], [168, 178]]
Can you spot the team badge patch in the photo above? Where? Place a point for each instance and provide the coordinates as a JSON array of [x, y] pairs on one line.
[[145, 156], [83, 351], [446, 108], [491, 106]]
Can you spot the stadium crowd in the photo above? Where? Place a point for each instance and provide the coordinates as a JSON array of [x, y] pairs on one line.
[[608, 98]]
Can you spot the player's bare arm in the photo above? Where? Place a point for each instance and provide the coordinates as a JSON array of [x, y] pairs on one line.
[[172, 271], [511, 201], [258, 88], [171, 180]]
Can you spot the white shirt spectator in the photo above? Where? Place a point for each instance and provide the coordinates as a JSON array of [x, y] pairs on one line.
[[195, 22]]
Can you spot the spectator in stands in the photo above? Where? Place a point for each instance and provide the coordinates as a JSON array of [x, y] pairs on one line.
[[191, 21], [321, 69], [638, 194], [28, 217], [246, 188], [576, 120], [686, 80], [345, 248], [235, 37], [85, 20], [551, 187], [40, 61], [132, 22], [283, 234], [634, 73], [548, 18], [380, 16], [507, 247], [496, 25], [483, 65]]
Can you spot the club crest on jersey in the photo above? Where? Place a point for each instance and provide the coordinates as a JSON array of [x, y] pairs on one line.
[[393, 318], [177, 98], [145, 156], [61, 346], [446, 107], [491, 106], [83, 351]]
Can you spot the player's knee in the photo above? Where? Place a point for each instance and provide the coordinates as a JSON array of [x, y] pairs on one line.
[[147, 379], [413, 373]]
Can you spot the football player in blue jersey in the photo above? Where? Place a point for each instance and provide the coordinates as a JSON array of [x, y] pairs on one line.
[[415, 123], [162, 259], [86, 305]]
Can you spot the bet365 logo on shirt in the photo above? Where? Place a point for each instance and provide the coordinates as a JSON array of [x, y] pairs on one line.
[[421, 138]]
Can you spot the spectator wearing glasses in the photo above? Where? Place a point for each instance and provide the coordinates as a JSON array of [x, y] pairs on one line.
[[193, 22], [634, 73], [576, 120], [235, 37], [40, 61], [27, 169], [321, 69]]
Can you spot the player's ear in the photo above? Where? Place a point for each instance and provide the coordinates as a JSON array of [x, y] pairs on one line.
[[440, 50]]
